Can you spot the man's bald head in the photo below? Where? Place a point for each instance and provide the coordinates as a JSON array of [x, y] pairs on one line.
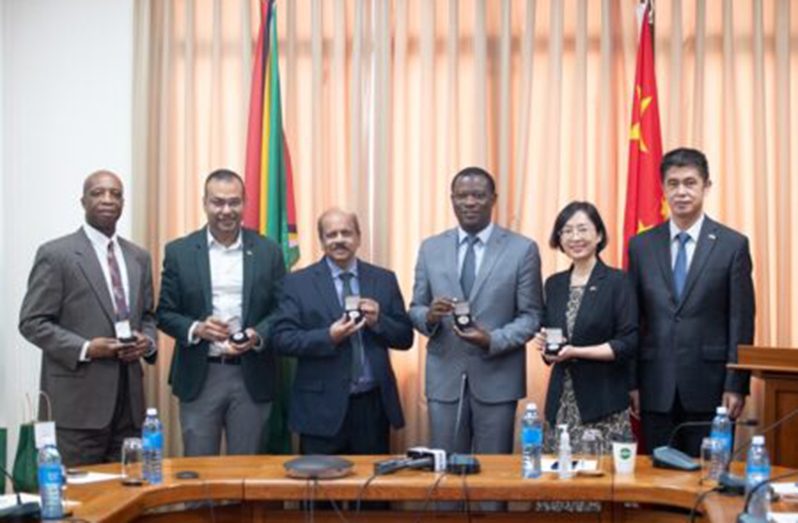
[[103, 199], [339, 232]]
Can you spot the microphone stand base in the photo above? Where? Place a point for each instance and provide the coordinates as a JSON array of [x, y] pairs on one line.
[[730, 484]]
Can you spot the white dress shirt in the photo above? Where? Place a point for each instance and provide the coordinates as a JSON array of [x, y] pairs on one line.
[[227, 284], [693, 232], [99, 241]]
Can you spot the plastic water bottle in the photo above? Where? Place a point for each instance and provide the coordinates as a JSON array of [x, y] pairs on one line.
[[531, 442], [757, 470], [721, 432], [51, 479], [564, 456], [152, 446]]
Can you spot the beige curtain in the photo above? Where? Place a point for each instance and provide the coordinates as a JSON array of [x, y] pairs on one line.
[[384, 100]]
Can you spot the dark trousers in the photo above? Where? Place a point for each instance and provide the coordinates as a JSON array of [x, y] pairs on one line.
[[365, 429], [659, 426], [93, 446]]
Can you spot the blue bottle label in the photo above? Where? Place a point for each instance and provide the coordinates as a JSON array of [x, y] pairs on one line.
[[153, 441], [532, 436], [49, 475]]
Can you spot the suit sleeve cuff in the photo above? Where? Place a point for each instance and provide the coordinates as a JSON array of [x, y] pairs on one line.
[[153, 348], [260, 344], [193, 340], [84, 353]]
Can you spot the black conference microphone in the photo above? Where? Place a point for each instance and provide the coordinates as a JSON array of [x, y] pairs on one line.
[[21, 511], [744, 516], [461, 463], [734, 484], [667, 457]]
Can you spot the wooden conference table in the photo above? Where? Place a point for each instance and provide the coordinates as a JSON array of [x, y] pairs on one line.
[[256, 487]]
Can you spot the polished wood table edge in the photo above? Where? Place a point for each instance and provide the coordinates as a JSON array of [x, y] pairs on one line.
[[782, 371], [263, 479]]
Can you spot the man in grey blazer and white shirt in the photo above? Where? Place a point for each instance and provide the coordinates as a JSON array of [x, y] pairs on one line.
[[498, 273], [89, 308]]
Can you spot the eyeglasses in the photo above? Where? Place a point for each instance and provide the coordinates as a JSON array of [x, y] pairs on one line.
[[573, 233]]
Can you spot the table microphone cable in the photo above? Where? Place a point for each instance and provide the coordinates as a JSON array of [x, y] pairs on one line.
[[699, 499], [362, 491], [466, 495], [332, 502], [430, 492]]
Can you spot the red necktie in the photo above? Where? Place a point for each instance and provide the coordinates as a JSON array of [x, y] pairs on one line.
[[120, 303]]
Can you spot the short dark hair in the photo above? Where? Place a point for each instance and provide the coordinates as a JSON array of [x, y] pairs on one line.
[[684, 157], [224, 175], [475, 171], [567, 213]]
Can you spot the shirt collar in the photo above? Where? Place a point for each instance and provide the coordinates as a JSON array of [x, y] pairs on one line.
[[483, 235], [97, 237], [692, 232], [336, 271], [213, 242]]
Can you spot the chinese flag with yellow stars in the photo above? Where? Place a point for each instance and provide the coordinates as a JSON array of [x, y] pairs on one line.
[[645, 205]]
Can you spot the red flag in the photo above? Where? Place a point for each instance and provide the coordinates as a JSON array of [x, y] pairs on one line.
[[645, 205]]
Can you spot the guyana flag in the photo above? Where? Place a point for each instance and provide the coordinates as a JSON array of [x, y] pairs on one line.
[[269, 185], [645, 205]]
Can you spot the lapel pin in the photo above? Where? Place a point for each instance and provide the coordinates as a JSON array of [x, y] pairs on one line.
[[712, 236], [249, 253], [592, 288]]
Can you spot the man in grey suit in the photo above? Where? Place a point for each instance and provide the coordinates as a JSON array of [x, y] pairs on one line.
[[696, 296], [475, 375], [89, 308]]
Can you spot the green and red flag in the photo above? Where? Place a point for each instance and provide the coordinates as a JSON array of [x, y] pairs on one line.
[[268, 179], [645, 205]]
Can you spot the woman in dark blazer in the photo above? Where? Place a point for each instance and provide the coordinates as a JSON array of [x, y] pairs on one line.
[[596, 308]]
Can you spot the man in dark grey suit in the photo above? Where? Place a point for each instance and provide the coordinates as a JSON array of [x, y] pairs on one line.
[[498, 273], [86, 291], [696, 297], [217, 282]]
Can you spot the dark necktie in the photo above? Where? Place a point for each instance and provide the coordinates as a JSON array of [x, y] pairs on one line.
[[680, 267], [116, 285], [356, 342], [469, 271]]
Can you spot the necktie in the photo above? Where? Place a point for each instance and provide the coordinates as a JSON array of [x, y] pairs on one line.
[[469, 271], [357, 343], [680, 267], [116, 285]]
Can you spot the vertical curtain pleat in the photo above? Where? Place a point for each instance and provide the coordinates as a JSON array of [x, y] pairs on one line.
[[384, 100]]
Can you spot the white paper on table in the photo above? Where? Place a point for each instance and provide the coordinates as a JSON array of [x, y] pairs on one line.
[[91, 477], [546, 464], [783, 517], [9, 500], [785, 488]]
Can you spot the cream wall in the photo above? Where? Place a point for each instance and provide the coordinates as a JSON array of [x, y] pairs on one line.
[[66, 90]]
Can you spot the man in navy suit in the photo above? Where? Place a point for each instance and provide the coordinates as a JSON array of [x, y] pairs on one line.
[[344, 396], [696, 297]]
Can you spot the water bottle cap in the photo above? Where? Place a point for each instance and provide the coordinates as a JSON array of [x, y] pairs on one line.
[[152, 411], [758, 440], [721, 410], [531, 406]]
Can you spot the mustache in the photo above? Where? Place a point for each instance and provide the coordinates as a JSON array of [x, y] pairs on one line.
[[339, 245]]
